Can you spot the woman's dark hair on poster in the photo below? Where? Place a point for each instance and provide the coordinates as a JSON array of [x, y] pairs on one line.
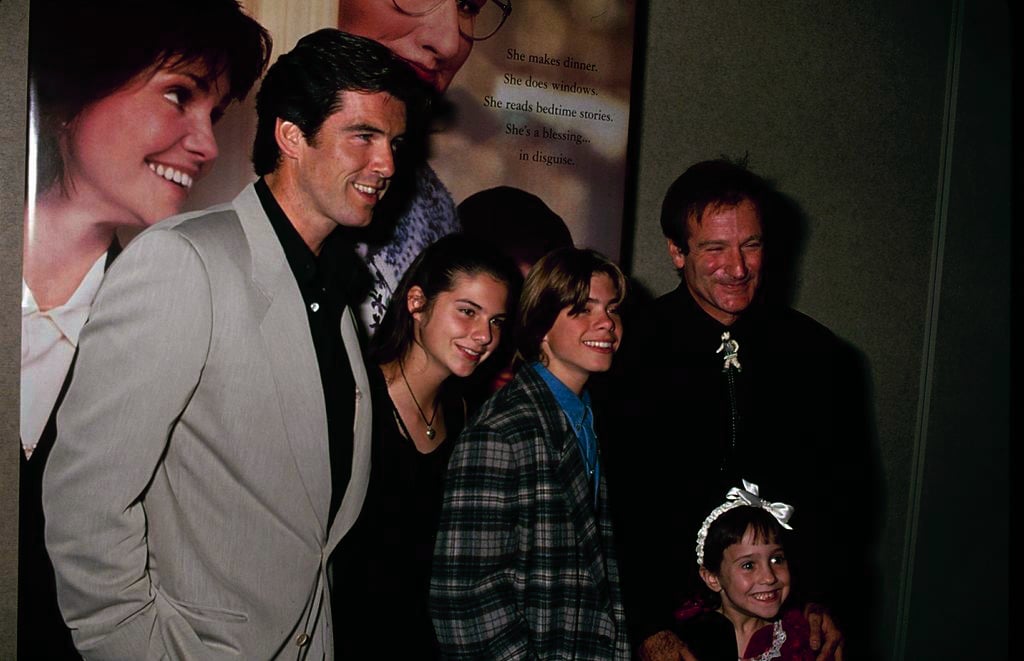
[[82, 51], [518, 222]]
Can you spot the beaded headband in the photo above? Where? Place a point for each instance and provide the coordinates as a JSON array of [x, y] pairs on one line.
[[748, 496]]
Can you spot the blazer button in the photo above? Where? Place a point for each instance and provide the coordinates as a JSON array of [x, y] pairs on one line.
[[302, 639]]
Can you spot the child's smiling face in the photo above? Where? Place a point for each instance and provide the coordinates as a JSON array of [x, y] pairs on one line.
[[753, 580]]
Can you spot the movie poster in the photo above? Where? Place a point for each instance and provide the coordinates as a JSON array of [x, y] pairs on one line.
[[539, 101], [538, 97], [543, 105], [123, 134]]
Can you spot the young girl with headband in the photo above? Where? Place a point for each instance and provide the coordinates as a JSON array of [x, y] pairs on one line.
[[742, 562]]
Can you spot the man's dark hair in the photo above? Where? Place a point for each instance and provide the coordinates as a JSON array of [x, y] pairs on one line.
[[561, 279], [434, 271], [83, 51], [706, 186], [304, 87]]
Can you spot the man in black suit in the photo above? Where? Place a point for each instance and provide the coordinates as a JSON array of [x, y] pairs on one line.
[[715, 385]]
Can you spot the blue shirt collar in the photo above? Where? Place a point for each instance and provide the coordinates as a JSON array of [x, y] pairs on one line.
[[575, 407]]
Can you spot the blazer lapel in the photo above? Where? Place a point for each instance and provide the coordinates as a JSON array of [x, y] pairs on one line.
[[289, 349], [352, 502]]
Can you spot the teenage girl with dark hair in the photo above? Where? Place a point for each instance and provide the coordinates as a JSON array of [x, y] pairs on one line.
[[446, 317]]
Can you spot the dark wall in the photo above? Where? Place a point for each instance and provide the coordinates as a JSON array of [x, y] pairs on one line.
[[888, 127], [963, 462]]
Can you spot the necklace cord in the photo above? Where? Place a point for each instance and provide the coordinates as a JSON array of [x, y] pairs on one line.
[[431, 432]]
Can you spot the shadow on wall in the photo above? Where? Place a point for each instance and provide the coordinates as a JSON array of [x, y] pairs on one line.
[[857, 458], [855, 586], [859, 525], [785, 229]]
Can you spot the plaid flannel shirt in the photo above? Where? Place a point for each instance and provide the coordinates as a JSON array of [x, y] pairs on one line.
[[524, 567]]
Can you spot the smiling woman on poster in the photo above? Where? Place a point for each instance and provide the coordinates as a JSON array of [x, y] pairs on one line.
[[435, 37], [124, 96]]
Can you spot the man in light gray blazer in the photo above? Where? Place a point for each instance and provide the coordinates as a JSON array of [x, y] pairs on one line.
[[214, 445]]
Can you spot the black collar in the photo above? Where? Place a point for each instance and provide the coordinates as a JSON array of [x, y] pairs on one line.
[[336, 263]]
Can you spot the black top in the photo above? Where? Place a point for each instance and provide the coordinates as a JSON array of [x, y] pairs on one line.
[[41, 630], [710, 636], [382, 567], [323, 281]]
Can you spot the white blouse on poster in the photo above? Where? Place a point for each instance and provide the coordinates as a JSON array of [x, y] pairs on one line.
[[48, 342]]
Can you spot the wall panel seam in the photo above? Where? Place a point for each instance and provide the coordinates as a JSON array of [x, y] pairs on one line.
[[917, 467]]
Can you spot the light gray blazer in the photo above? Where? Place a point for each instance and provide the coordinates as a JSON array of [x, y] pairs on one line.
[[187, 494]]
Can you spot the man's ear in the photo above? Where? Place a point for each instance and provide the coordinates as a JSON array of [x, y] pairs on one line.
[[289, 138], [415, 301], [710, 579], [678, 258]]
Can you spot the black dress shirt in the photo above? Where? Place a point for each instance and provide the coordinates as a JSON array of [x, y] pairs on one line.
[[324, 281]]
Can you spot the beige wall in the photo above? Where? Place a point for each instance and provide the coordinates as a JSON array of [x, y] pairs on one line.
[[893, 138], [14, 31]]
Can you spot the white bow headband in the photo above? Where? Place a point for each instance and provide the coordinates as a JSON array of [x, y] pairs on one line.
[[747, 496]]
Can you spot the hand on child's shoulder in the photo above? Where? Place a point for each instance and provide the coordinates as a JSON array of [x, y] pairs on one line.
[[664, 646]]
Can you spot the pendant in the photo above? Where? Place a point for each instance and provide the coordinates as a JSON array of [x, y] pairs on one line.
[[731, 349], [431, 433]]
